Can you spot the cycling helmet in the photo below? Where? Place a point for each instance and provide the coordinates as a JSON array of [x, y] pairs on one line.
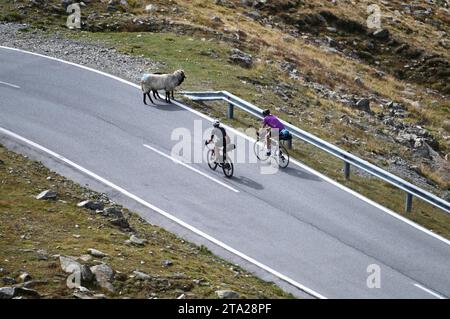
[[216, 123], [265, 113]]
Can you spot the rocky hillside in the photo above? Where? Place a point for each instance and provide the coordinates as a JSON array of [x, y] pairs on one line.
[[52, 229]]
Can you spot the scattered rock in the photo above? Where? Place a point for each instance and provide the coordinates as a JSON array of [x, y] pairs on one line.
[[26, 292], [7, 292], [103, 275], [241, 58], [96, 253], [227, 294], [141, 276], [85, 258], [9, 281], [225, 3], [87, 276], [363, 104], [121, 223], [120, 276], [93, 205], [24, 277], [216, 19], [34, 283], [137, 241], [167, 263], [382, 34], [113, 212], [69, 265], [42, 254], [17, 293], [80, 295], [47, 194], [359, 81], [151, 8]]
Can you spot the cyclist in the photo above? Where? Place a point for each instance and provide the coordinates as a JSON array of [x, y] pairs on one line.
[[221, 140], [271, 122]]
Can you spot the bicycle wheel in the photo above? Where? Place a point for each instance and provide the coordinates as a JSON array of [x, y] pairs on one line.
[[210, 157], [282, 157], [260, 151], [228, 168]]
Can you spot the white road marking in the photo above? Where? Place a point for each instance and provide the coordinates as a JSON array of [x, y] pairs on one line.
[[165, 214], [429, 291], [9, 84], [191, 168], [325, 178]]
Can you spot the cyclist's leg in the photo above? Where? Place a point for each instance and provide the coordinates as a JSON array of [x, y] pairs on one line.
[[216, 153], [268, 141]]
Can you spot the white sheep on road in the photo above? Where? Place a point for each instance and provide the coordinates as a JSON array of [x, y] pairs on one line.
[[155, 81]]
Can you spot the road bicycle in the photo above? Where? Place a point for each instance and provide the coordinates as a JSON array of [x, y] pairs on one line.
[[227, 165], [279, 152]]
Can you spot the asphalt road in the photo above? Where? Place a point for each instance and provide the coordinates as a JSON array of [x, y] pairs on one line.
[[293, 221]]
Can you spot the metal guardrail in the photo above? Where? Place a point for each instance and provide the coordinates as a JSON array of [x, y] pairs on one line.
[[349, 159]]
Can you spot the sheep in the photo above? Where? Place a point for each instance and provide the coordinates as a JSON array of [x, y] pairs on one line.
[[154, 82]]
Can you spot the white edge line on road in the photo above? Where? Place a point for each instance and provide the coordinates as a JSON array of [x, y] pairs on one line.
[[191, 168], [9, 84], [429, 291], [165, 214], [329, 180], [325, 178]]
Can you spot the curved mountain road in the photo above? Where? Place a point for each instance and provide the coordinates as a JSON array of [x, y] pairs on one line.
[[297, 225]]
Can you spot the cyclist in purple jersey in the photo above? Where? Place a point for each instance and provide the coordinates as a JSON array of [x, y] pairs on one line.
[[270, 122]]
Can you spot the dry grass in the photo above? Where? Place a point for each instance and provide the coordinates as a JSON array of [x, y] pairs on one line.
[[62, 228]]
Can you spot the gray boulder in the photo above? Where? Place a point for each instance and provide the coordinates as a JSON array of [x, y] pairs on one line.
[[93, 205], [381, 34], [7, 292], [241, 58], [69, 265], [120, 222], [24, 277], [47, 194], [96, 253], [15, 292], [141, 276], [137, 241], [113, 212], [227, 294], [364, 105], [103, 275]]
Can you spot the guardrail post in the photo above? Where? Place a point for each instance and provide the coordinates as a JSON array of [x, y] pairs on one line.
[[346, 170], [230, 111], [289, 144], [408, 204]]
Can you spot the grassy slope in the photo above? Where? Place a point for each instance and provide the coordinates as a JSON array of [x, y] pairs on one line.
[[27, 224]]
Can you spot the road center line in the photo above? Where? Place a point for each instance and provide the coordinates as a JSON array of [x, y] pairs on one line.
[[164, 213], [9, 84], [429, 291], [191, 168]]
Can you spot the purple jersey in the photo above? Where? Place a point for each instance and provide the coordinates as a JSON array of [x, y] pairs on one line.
[[273, 122]]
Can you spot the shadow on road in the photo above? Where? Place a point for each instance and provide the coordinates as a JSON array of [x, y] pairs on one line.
[[301, 174], [162, 105], [247, 182]]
